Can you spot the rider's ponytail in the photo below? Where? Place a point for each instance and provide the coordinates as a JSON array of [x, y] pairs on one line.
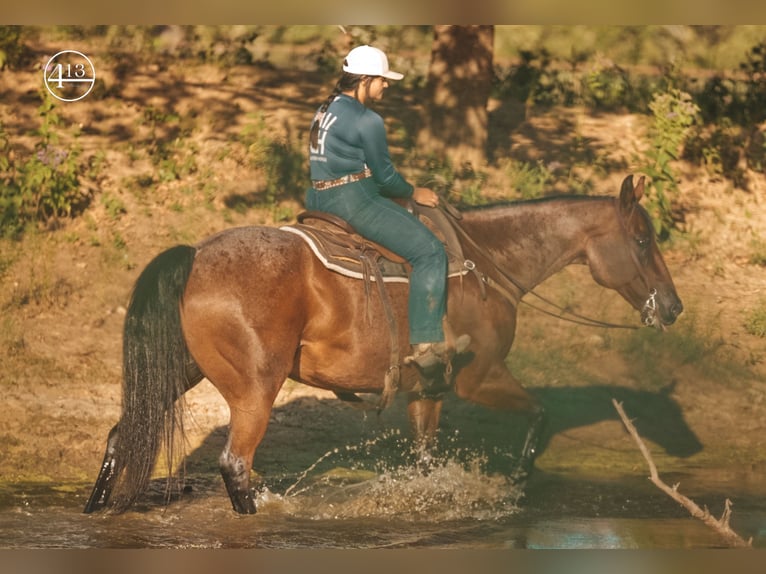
[[346, 82]]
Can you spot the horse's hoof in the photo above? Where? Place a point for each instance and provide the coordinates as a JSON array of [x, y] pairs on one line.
[[243, 502], [244, 506]]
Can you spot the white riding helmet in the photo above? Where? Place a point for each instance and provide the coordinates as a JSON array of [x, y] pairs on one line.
[[369, 61]]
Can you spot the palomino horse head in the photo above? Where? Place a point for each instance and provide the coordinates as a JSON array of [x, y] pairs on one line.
[[628, 260]]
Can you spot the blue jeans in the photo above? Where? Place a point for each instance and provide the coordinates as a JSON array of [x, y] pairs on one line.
[[381, 220]]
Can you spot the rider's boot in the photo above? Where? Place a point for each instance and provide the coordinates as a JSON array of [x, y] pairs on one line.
[[434, 363], [428, 355]]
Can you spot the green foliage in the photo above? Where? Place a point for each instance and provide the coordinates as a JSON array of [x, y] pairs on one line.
[[755, 322], [463, 185], [591, 67], [44, 186], [174, 160], [673, 115], [595, 82], [439, 175], [114, 206], [13, 52], [279, 159], [528, 180], [536, 82], [733, 106], [172, 154], [758, 255], [754, 68], [224, 45], [605, 86]]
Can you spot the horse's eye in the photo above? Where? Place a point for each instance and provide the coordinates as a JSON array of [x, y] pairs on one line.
[[643, 248]]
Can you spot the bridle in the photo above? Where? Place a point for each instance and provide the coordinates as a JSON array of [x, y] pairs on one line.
[[649, 310], [505, 284]]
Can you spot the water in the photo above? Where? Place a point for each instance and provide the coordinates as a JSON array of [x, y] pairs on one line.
[[337, 504]]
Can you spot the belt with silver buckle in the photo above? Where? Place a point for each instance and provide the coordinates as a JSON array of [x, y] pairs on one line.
[[323, 184]]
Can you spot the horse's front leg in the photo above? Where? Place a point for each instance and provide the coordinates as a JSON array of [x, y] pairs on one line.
[[499, 390], [424, 413], [536, 423]]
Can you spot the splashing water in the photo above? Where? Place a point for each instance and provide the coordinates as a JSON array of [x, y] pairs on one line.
[[455, 485]]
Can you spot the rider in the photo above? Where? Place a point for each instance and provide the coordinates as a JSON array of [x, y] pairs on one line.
[[353, 177]]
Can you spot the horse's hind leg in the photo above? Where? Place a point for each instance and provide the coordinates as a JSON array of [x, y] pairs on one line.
[[249, 379], [246, 429]]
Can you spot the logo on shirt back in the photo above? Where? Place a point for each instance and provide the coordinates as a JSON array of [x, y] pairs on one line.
[[325, 123]]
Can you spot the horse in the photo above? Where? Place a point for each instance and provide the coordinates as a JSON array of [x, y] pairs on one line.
[[249, 307]]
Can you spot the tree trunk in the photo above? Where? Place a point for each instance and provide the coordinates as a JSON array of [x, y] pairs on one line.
[[459, 81]]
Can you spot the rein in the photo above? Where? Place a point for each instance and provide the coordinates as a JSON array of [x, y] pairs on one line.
[[502, 286], [578, 319]]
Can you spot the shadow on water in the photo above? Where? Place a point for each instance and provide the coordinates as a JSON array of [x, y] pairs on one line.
[[333, 477], [302, 430], [308, 437], [658, 417]]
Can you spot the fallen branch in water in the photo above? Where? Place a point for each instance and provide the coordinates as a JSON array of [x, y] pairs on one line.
[[719, 525]]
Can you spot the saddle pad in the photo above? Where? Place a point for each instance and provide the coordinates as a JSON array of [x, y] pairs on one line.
[[345, 259], [342, 253]]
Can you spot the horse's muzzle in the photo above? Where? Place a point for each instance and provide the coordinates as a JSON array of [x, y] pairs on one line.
[[651, 315]]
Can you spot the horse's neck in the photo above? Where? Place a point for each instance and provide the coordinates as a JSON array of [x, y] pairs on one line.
[[533, 240]]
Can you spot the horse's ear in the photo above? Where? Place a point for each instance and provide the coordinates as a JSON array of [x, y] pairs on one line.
[[638, 191], [630, 194]]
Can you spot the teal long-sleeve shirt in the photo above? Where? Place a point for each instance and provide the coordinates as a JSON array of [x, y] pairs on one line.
[[352, 137]]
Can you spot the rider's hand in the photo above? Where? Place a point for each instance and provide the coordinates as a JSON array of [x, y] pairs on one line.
[[425, 196]]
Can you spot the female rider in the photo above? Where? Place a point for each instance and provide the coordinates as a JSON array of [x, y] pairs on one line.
[[353, 177]]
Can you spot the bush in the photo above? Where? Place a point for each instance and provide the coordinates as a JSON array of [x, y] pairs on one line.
[[754, 67], [674, 114], [13, 52], [44, 186]]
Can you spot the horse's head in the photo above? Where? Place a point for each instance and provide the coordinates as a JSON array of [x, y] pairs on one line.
[[626, 258]]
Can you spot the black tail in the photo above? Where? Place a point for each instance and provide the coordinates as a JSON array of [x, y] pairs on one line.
[[155, 365]]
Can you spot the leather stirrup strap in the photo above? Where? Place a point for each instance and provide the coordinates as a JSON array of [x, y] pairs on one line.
[[393, 375]]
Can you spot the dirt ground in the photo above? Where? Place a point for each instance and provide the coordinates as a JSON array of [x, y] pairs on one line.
[[63, 291]]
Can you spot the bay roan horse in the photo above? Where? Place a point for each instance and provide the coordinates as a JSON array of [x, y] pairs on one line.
[[249, 307]]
